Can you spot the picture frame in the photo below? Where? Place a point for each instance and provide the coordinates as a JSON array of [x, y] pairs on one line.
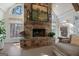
[[39, 12]]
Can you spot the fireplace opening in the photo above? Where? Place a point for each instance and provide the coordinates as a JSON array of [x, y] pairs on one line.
[[39, 32]]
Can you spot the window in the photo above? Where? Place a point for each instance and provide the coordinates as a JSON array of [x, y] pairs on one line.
[[17, 10], [15, 29]]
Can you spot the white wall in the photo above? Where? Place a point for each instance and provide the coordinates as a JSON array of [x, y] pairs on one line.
[[5, 6]]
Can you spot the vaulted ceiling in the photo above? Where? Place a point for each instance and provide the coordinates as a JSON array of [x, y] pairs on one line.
[[64, 11], [5, 6]]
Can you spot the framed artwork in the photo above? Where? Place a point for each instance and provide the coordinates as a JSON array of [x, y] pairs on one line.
[[39, 12], [64, 31]]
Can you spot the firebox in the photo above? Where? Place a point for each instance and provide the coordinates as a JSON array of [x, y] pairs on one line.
[[39, 32]]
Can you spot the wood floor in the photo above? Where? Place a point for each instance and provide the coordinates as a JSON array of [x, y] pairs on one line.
[[14, 49]]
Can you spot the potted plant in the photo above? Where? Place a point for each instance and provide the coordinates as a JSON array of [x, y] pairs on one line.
[[2, 34], [51, 34]]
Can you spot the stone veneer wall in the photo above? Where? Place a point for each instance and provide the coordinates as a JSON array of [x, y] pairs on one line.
[[29, 25]]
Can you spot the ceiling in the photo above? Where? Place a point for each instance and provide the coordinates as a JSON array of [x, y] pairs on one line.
[[63, 10], [5, 6]]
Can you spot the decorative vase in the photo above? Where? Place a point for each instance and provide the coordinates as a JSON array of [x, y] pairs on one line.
[[1, 44]]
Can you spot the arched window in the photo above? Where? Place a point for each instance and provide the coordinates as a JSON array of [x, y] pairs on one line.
[[16, 23], [18, 10]]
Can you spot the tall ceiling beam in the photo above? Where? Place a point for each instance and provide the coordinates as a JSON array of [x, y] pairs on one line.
[[76, 6]]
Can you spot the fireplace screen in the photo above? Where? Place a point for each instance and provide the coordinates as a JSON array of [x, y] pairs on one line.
[[38, 32]]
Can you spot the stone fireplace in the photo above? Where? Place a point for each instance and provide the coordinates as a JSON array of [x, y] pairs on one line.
[[37, 29]]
